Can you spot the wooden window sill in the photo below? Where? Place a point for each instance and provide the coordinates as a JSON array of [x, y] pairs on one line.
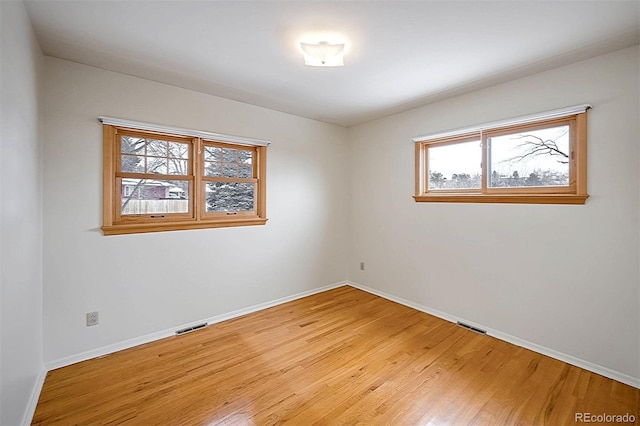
[[140, 228], [503, 198]]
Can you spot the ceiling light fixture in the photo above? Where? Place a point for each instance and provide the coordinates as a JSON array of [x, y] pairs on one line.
[[323, 54]]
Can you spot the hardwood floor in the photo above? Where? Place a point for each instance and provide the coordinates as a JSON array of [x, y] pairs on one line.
[[339, 357]]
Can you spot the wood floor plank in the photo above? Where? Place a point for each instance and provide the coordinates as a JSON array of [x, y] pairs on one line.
[[339, 357]]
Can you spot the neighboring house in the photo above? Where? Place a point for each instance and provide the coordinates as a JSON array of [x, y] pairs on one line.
[[150, 190]]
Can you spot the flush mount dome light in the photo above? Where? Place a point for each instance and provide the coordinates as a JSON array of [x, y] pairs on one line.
[[323, 54]]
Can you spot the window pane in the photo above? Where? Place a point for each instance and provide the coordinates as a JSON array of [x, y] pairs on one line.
[[132, 163], [245, 157], [230, 196], [178, 167], [131, 145], [178, 150], [229, 155], [455, 166], [245, 171], [157, 165], [212, 169], [230, 170], [212, 153], [150, 196], [530, 158], [157, 148]]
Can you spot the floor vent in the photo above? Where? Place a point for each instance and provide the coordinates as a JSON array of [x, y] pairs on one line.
[[193, 328], [472, 328]]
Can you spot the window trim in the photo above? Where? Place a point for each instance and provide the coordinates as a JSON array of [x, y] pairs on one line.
[[113, 224], [574, 193]]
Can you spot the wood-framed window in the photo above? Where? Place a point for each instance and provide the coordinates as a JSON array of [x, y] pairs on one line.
[[157, 180], [534, 161]]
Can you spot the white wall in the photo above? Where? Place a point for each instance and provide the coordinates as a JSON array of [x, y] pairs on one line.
[[21, 367], [141, 284], [564, 277]]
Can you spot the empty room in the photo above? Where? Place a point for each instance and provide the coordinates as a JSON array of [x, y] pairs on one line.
[[319, 212]]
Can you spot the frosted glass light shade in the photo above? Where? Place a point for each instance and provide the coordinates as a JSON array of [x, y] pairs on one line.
[[323, 54]]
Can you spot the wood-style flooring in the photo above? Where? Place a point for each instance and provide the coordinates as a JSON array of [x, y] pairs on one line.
[[343, 356]]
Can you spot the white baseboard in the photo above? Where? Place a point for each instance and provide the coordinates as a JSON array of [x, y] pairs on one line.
[[595, 368], [104, 350], [33, 398], [126, 344]]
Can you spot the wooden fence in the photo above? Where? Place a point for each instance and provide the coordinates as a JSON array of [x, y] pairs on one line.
[[156, 206]]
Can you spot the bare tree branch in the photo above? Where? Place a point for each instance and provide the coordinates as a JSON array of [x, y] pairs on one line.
[[539, 146]]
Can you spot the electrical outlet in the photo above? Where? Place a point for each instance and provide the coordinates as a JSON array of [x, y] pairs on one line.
[[92, 318], [362, 266]]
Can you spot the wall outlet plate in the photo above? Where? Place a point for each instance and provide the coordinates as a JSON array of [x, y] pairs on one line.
[[92, 318]]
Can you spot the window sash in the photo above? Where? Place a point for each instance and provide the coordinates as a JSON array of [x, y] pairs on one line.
[[449, 142], [548, 189], [119, 175], [252, 180]]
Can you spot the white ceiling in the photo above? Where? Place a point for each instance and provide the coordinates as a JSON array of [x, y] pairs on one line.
[[399, 54]]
